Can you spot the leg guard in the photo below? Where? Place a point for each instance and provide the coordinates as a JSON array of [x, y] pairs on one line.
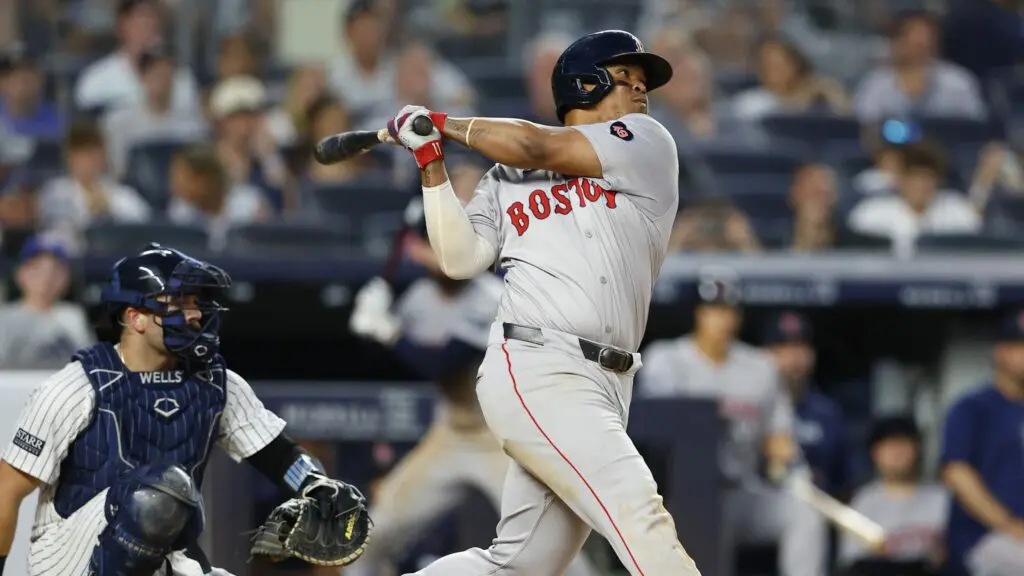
[[150, 513]]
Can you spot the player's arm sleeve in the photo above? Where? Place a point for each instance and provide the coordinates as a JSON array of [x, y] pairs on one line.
[[55, 414], [465, 239], [246, 425], [285, 463], [638, 157]]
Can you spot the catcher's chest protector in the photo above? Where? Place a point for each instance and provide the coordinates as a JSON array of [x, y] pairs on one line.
[[140, 418]]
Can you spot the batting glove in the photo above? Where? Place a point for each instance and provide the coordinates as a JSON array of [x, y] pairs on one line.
[[425, 149], [371, 317]]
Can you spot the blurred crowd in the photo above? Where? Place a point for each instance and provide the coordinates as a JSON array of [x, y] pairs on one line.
[[802, 125]]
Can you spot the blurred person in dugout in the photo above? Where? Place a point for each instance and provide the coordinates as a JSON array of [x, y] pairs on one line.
[[819, 428], [203, 195], [244, 144], [912, 512], [114, 79], [982, 463], [87, 194], [712, 363], [38, 331], [152, 118]]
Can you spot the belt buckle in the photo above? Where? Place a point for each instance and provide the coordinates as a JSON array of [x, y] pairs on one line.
[[611, 359]]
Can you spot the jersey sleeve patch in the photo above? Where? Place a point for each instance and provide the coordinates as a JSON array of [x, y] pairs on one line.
[[619, 130], [28, 442]]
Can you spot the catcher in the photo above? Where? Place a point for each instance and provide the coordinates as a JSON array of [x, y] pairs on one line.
[[117, 442]]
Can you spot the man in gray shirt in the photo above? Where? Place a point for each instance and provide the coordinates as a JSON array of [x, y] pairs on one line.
[[912, 513], [38, 331], [711, 363]]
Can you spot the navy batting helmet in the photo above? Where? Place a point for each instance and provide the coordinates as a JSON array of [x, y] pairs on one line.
[[583, 63], [156, 280]]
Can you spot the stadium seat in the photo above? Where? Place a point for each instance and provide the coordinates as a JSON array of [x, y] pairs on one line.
[[746, 160], [497, 83], [112, 238], [379, 231], [959, 132], [969, 243], [47, 158], [357, 199], [148, 170], [292, 239], [850, 240], [732, 83], [828, 133], [1009, 207], [769, 184], [763, 205], [773, 233]]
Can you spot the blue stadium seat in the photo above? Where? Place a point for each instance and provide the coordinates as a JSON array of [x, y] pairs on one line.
[[827, 133], [292, 239], [360, 198], [149, 168], [850, 240], [731, 83], [960, 132], [969, 243], [113, 238], [47, 158], [773, 233], [768, 184], [1009, 207], [498, 83], [379, 231], [763, 205], [745, 160]]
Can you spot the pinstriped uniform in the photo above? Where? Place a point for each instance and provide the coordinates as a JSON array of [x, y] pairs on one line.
[[56, 414]]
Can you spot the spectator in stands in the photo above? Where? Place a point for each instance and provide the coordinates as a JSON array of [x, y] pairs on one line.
[[22, 108], [813, 197], [202, 194], [819, 428], [364, 75], [18, 203], [913, 513], [153, 118], [713, 224], [237, 57], [788, 85], [40, 332], [244, 144], [114, 80], [983, 465], [87, 194], [919, 207], [998, 166], [540, 56], [882, 176], [915, 80], [687, 106], [288, 122], [328, 116]]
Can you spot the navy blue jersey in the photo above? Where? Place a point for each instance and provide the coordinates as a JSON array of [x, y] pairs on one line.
[[821, 432]]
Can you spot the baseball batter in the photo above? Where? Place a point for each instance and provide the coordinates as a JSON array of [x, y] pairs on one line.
[[439, 327], [117, 441], [710, 363], [579, 218]]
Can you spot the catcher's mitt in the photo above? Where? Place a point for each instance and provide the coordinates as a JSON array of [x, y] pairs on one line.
[[328, 525]]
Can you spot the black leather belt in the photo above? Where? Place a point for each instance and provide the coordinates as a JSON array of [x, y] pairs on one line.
[[608, 358]]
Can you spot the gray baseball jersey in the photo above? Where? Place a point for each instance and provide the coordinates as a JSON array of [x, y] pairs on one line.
[[582, 254], [31, 339], [431, 318], [914, 523], [747, 385]]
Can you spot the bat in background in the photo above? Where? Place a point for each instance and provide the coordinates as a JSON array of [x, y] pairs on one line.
[[348, 145], [842, 516]]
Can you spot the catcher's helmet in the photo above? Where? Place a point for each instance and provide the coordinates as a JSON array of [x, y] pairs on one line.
[[139, 282], [584, 60]]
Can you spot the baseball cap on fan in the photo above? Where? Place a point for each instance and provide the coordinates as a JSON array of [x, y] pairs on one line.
[[237, 95], [41, 246], [787, 328]]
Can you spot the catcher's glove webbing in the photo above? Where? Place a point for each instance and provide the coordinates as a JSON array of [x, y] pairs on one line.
[[327, 525]]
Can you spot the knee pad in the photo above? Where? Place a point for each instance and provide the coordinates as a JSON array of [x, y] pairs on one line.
[[150, 513]]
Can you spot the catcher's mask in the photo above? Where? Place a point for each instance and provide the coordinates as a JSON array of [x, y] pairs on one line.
[[159, 281]]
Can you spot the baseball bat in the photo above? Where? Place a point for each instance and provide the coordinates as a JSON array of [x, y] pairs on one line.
[[842, 516], [348, 145]]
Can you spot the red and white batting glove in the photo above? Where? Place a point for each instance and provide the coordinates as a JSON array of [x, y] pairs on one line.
[[427, 148]]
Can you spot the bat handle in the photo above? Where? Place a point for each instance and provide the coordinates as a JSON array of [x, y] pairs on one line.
[[421, 125]]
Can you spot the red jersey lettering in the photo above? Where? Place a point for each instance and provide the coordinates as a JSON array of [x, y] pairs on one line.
[[560, 192], [539, 202], [518, 217], [540, 205]]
